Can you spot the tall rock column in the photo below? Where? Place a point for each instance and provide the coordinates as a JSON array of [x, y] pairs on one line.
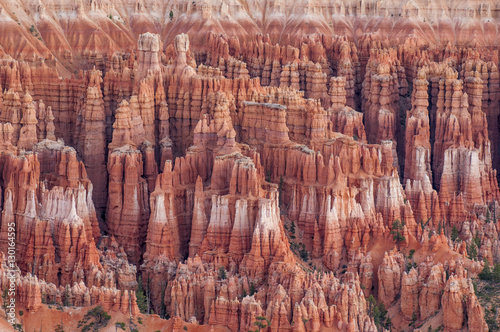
[[149, 46], [474, 88], [343, 118], [163, 229], [11, 112], [27, 135], [409, 294], [127, 211], [200, 221], [345, 69], [316, 83], [418, 149], [337, 92], [417, 169], [180, 66], [389, 277], [179, 73], [333, 242], [460, 305], [128, 208], [462, 158], [269, 242], [92, 140], [453, 121]]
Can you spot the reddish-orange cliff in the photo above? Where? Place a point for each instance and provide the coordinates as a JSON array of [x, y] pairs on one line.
[[228, 163]]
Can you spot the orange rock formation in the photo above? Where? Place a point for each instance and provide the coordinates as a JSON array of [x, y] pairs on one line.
[[252, 159]]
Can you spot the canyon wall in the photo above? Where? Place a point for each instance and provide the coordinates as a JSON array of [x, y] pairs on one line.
[[293, 164]]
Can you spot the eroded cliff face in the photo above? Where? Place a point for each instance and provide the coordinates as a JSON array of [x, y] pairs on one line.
[[252, 159]]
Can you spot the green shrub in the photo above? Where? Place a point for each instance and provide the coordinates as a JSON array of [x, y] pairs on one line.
[[120, 325], [94, 320], [454, 234], [378, 312], [222, 273]]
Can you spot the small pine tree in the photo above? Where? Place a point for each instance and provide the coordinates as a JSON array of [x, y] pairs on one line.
[[378, 312], [222, 273], [472, 250], [261, 323], [397, 232], [5, 300], [268, 175], [388, 323], [18, 327], [477, 240], [292, 230], [163, 307], [67, 297], [486, 273], [488, 216], [96, 318], [454, 234], [496, 273], [410, 255], [280, 189], [120, 325], [142, 302], [171, 15], [252, 289], [413, 319]]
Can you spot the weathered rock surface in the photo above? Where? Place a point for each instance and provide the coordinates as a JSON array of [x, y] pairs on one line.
[[249, 159]]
